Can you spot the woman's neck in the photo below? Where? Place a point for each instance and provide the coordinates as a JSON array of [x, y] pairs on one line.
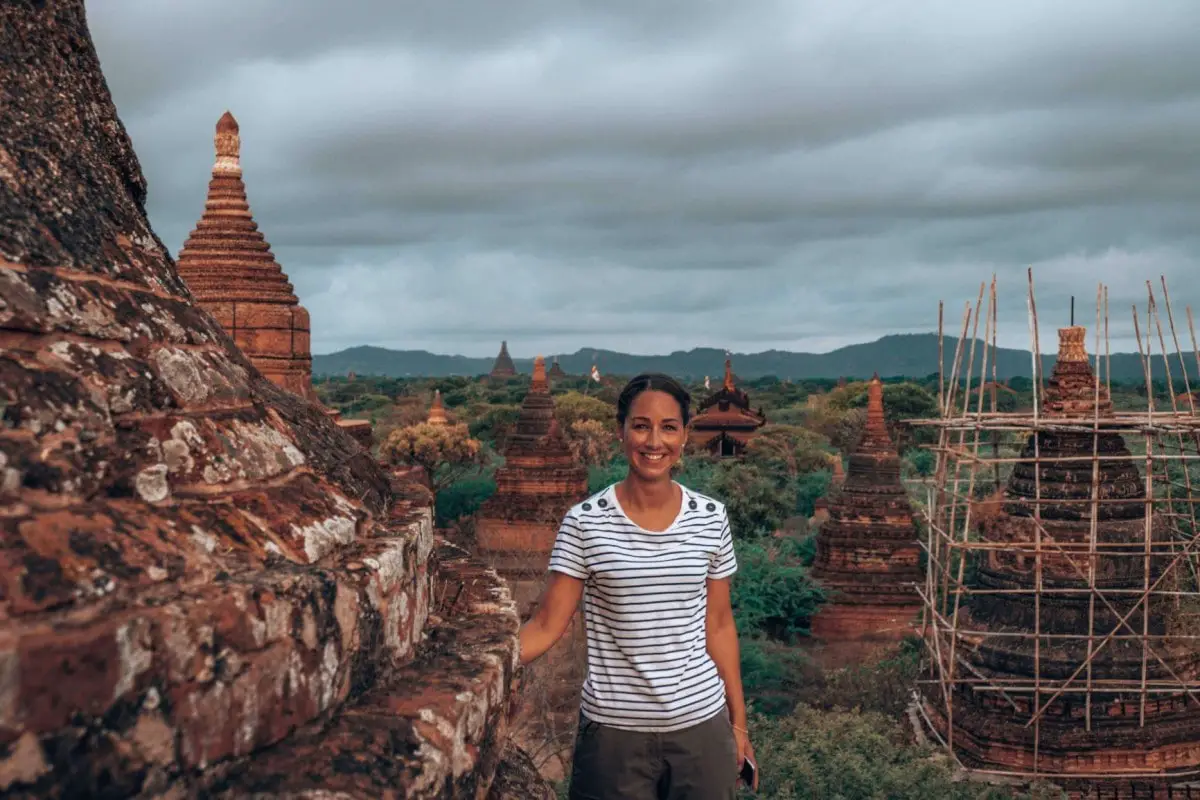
[[639, 494]]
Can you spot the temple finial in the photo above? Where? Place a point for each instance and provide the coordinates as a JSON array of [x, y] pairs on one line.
[[539, 374], [228, 144]]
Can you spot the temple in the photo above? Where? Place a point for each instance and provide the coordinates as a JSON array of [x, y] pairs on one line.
[[437, 411], [539, 482], [503, 368], [1031, 618], [228, 266], [725, 423], [868, 556], [209, 589], [556, 371]]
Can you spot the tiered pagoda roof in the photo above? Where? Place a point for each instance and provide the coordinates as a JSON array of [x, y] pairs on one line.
[[230, 269], [993, 729], [725, 422], [867, 550], [504, 367], [208, 589]]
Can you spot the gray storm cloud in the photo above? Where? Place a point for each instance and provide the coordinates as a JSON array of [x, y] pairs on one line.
[[658, 176]]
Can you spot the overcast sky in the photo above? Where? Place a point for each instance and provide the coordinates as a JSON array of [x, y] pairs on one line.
[[652, 175]]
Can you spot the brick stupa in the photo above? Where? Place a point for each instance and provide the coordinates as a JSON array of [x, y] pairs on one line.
[[228, 265], [725, 423], [207, 590], [868, 555], [539, 482], [556, 371], [990, 727], [503, 366]]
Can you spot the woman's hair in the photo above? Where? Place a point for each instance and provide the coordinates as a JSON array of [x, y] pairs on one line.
[[653, 382]]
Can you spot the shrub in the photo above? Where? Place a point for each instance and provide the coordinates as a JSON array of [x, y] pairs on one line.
[[462, 499], [852, 755], [772, 594]]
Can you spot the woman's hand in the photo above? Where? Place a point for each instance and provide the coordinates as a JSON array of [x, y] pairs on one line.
[[745, 750]]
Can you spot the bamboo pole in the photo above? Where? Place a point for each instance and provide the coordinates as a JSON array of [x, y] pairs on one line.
[[1093, 523]]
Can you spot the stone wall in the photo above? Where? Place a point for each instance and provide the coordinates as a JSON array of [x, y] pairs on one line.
[[208, 588]]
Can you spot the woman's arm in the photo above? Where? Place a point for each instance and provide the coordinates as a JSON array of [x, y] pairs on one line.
[[555, 608], [722, 642]]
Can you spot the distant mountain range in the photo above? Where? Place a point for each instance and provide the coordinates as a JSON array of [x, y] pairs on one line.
[[912, 355]]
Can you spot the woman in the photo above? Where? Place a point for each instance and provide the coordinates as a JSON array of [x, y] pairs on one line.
[[663, 713]]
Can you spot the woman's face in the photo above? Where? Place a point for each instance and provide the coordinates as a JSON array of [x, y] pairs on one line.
[[653, 435]]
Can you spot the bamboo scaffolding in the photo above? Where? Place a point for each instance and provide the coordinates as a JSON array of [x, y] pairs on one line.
[[1163, 447]]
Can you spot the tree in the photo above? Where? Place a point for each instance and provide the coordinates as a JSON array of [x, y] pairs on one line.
[[493, 423], [448, 453], [572, 407], [789, 449], [757, 501], [592, 442]]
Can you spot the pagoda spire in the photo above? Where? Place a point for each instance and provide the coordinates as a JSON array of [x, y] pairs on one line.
[[503, 367], [437, 411], [226, 258], [728, 374], [227, 264], [540, 384]]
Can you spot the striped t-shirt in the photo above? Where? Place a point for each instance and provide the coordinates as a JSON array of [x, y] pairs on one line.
[[644, 603]]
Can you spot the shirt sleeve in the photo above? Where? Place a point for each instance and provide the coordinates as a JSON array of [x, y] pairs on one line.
[[723, 562], [568, 555]]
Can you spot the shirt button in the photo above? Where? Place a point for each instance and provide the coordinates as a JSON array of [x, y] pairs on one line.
[[711, 506], [602, 502], [587, 506], [692, 505]]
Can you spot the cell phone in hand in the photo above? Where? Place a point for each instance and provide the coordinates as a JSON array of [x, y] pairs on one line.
[[749, 768]]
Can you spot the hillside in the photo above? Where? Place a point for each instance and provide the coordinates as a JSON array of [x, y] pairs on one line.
[[892, 355]]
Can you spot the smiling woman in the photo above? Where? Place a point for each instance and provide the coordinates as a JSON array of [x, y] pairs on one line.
[[663, 711]]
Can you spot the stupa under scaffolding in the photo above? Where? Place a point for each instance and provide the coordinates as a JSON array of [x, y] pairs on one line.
[[1061, 597]]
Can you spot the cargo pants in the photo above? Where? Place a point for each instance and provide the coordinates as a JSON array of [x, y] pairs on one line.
[[696, 763]]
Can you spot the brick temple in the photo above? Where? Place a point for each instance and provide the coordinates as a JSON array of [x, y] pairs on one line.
[[991, 729], [503, 366], [555, 371], [539, 482], [868, 555], [228, 265], [725, 423], [209, 589]]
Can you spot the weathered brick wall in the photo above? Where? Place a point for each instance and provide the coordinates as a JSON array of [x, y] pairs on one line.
[[205, 585]]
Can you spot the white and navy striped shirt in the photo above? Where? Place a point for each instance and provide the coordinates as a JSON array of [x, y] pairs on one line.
[[644, 602]]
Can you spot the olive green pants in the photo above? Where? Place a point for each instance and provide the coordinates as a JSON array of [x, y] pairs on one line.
[[696, 763]]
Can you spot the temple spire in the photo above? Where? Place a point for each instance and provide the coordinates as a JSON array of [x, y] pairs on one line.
[[728, 374], [503, 366], [437, 411], [228, 265], [1071, 387], [539, 376]]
